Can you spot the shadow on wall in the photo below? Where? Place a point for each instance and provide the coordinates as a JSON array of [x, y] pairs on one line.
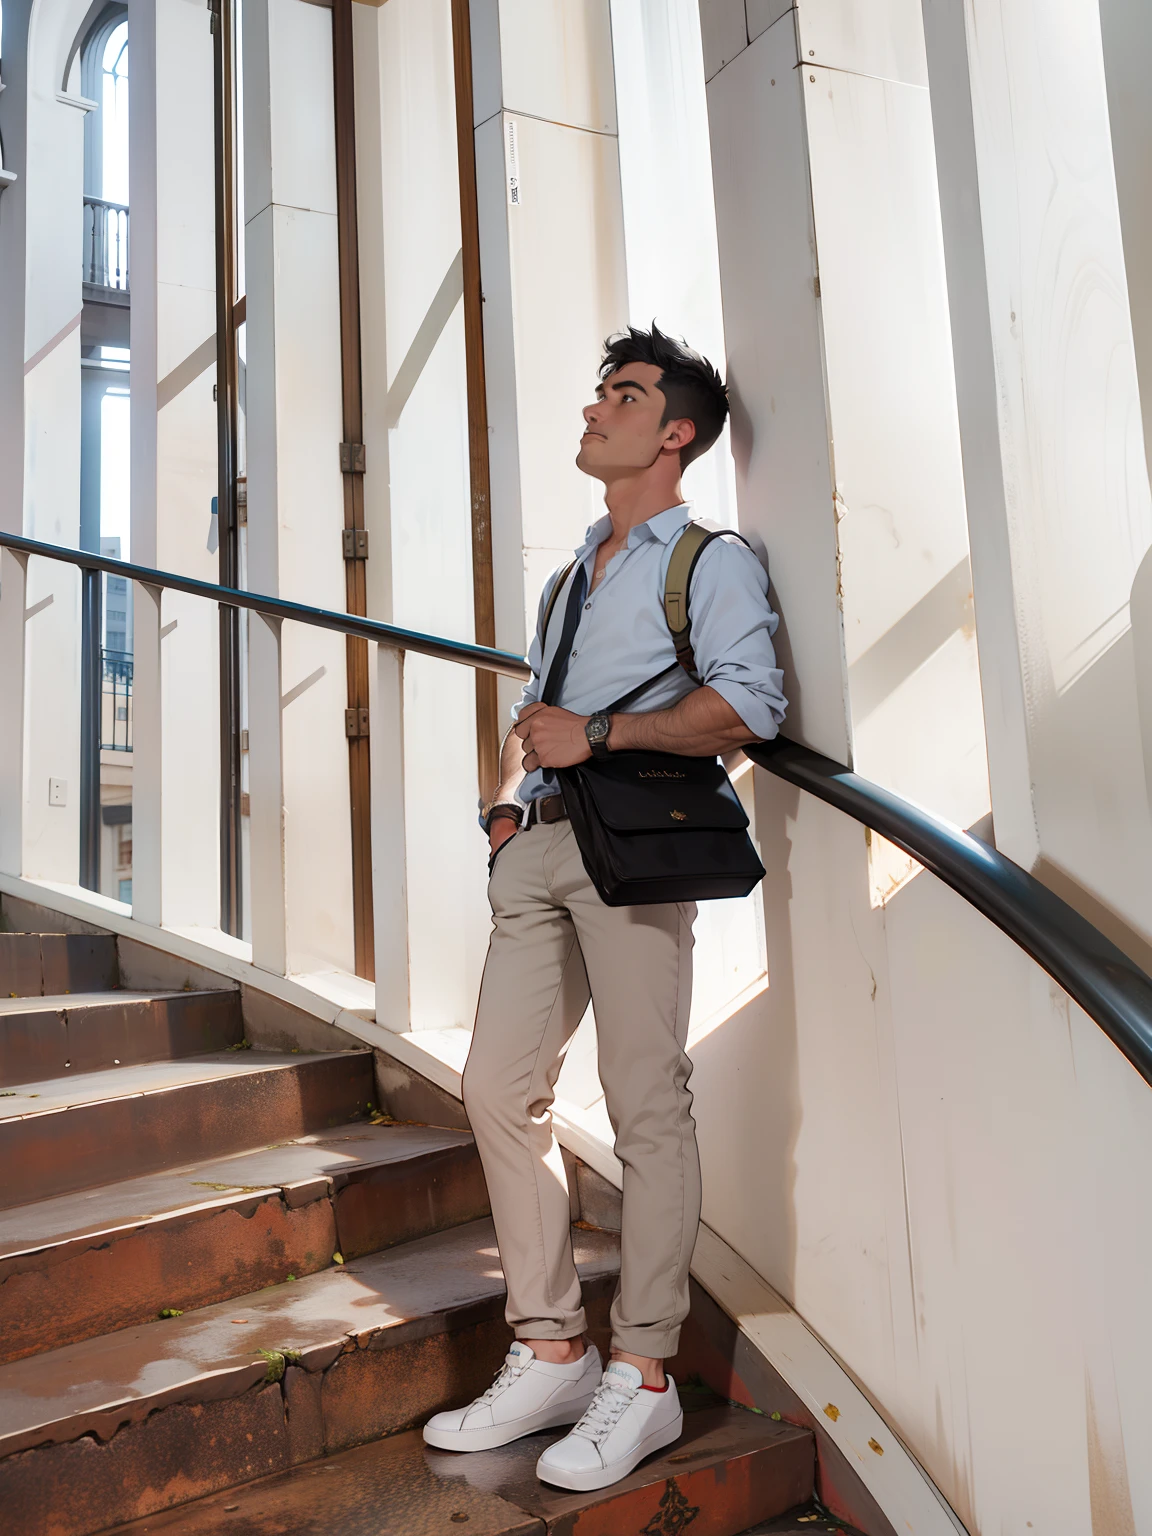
[[745, 1079], [1103, 819]]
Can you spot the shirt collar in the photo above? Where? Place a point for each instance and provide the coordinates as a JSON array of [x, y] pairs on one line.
[[662, 527]]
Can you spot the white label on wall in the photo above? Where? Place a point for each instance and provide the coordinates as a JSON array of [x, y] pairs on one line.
[[512, 160]]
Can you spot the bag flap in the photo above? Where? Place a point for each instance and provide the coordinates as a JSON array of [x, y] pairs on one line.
[[658, 792]]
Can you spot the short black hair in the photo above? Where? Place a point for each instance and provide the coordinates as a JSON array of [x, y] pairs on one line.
[[689, 383]]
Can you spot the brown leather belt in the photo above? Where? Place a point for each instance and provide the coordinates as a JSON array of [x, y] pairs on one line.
[[548, 808]]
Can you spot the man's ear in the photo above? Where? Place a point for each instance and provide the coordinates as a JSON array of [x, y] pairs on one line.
[[678, 434]]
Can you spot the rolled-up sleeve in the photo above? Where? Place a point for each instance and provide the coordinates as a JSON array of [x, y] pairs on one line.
[[732, 628]]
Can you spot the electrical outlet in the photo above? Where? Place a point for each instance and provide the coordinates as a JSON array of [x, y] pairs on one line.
[[57, 791]]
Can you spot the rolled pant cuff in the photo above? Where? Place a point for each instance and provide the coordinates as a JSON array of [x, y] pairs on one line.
[[552, 1330], [652, 1343]]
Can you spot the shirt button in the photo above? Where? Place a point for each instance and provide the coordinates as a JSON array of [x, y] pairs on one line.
[[573, 655], [587, 606]]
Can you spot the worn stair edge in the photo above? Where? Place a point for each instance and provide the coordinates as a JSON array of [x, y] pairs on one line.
[[39, 964], [353, 1354], [349, 1311], [200, 1106], [728, 1470], [253, 1233], [726, 1473], [49, 1037]]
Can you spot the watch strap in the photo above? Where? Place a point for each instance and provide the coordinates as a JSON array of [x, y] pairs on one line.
[[501, 810]]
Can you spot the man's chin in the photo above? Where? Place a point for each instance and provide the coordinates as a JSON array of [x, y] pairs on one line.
[[587, 462]]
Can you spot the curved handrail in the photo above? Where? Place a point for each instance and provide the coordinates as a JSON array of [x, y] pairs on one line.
[[1111, 988]]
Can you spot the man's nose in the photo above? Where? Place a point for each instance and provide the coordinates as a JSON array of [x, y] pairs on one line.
[[589, 414]]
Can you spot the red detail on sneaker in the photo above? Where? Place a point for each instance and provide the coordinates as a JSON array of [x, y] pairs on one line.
[[645, 1388]]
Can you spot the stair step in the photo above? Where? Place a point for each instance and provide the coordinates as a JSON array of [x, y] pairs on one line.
[[811, 1520], [47, 1037], [35, 964], [62, 1135], [729, 1470], [129, 1423], [104, 1259]]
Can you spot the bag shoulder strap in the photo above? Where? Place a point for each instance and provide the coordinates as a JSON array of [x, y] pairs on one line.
[[557, 587], [678, 583]]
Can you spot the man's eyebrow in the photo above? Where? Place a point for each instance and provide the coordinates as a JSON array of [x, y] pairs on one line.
[[625, 384]]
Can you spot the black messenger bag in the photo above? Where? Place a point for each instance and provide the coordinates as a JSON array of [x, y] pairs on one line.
[[654, 826]]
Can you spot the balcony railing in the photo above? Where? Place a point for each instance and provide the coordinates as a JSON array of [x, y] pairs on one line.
[[116, 701], [106, 244]]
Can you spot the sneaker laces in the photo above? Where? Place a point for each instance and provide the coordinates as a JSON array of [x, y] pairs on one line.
[[513, 1368], [603, 1413]]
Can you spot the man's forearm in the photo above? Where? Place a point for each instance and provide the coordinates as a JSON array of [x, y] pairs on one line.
[[511, 766], [700, 724]]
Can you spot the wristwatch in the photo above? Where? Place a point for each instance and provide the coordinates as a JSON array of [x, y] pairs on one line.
[[500, 810], [597, 733]]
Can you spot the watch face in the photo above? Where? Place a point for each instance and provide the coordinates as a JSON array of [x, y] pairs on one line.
[[598, 728]]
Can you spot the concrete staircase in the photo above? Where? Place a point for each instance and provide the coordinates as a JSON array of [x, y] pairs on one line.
[[231, 1289]]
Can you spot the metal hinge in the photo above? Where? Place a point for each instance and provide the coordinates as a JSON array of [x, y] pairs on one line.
[[352, 458], [242, 500], [355, 543], [355, 723]]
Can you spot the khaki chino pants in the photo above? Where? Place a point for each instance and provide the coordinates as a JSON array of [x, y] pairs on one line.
[[554, 944]]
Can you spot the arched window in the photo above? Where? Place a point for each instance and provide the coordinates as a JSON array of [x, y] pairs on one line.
[[113, 114], [104, 79]]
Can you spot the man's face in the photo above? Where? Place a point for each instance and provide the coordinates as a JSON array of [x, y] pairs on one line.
[[622, 431]]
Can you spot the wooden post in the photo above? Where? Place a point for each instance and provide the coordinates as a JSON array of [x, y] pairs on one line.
[[484, 607], [352, 466]]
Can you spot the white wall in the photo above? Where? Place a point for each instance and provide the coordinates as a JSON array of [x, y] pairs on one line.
[[298, 759], [553, 273], [177, 779], [417, 502], [1050, 407], [947, 1154], [666, 192]]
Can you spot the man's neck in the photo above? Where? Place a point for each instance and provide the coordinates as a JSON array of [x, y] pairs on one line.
[[632, 501]]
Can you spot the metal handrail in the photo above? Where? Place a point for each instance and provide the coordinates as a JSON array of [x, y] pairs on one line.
[[484, 657], [1110, 987]]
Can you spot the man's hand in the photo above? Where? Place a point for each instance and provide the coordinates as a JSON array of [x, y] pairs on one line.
[[553, 738], [502, 829]]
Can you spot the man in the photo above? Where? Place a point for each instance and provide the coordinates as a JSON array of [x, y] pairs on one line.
[[555, 943]]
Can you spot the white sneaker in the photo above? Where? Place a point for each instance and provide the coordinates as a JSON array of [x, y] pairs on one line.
[[624, 1423], [527, 1395]]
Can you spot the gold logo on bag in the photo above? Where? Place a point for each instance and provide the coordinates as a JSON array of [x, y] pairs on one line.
[[661, 773], [680, 815]]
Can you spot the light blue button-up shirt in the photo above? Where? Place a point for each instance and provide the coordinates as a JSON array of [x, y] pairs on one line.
[[623, 637]]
